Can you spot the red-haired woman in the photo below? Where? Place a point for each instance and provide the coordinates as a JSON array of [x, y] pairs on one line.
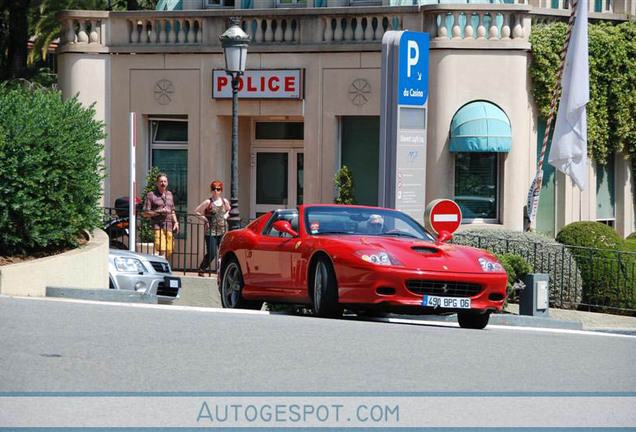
[[214, 211]]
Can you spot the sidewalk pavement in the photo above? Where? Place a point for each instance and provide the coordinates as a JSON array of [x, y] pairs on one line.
[[203, 292]]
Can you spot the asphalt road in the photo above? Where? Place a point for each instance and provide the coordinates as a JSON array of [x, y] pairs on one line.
[[59, 345]]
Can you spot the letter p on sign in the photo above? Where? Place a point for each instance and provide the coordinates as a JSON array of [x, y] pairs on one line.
[[413, 56]]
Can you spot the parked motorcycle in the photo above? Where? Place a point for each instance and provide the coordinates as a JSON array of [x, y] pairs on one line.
[[118, 228]]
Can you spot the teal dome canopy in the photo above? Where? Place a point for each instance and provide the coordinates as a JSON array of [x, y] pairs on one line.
[[480, 127], [169, 5]]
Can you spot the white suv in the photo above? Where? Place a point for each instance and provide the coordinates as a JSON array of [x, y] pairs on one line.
[[143, 273]]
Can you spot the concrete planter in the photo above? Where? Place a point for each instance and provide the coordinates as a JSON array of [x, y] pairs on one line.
[[147, 248], [85, 267]]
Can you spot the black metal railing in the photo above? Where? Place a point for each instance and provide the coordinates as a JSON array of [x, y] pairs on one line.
[[188, 247], [580, 277]]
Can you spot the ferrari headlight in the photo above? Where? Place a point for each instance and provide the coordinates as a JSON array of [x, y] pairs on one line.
[[488, 265], [379, 258], [129, 265]]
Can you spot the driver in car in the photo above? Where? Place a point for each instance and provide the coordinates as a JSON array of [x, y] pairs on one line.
[[375, 224]]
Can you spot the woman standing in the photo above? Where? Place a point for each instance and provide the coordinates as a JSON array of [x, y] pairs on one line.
[[214, 211]]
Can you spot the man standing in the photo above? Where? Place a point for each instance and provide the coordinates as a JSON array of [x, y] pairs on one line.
[[159, 206]]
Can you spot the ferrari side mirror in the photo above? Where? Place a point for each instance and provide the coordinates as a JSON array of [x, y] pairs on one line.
[[444, 236], [285, 227]]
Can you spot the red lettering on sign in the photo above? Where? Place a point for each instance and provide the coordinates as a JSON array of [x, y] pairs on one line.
[[250, 87], [240, 86], [290, 84], [271, 86], [222, 82], [262, 83]]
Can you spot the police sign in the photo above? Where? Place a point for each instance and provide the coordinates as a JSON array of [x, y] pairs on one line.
[[413, 69]]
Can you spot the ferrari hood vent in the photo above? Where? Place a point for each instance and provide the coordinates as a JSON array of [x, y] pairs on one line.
[[426, 250]]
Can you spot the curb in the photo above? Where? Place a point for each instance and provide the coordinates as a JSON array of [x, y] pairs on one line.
[[108, 295]]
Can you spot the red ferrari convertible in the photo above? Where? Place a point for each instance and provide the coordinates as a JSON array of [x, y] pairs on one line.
[[364, 259]]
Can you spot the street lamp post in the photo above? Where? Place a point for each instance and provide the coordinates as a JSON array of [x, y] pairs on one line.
[[234, 42]]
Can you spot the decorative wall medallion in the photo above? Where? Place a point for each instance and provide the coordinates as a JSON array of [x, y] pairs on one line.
[[163, 91], [359, 92]]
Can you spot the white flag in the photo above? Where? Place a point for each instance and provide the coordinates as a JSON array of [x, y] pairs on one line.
[[569, 142]]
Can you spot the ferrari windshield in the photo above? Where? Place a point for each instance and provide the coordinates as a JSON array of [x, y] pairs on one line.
[[324, 220]]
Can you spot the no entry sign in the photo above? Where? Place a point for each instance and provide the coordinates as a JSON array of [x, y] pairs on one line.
[[442, 215]]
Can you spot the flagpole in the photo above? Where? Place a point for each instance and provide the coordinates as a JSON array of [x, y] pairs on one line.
[[535, 189]]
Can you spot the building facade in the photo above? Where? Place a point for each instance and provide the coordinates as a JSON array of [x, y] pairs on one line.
[[310, 103]]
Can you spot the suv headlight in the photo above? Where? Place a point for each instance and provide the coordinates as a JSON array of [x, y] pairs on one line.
[[378, 257], [129, 265], [488, 265]]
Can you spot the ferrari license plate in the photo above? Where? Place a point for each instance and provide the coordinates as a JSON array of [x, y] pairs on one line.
[[446, 302]]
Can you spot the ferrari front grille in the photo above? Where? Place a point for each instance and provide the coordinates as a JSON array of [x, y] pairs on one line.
[[443, 288]]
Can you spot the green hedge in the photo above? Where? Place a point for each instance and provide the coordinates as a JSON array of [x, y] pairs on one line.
[[543, 255], [607, 266], [50, 170]]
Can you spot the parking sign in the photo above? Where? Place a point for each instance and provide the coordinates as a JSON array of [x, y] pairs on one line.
[[413, 69], [404, 104]]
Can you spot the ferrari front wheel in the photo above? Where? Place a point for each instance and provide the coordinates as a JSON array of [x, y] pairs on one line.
[[473, 320], [325, 290], [232, 288]]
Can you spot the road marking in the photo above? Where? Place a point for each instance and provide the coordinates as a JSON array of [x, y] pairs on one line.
[[501, 327], [144, 305], [388, 320]]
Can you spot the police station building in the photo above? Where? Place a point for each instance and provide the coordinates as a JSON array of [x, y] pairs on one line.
[[310, 102]]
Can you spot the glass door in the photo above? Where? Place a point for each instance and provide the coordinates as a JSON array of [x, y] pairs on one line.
[[277, 179]]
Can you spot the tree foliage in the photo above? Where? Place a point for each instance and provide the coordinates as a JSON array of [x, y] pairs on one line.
[[46, 27], [50, 170], [24, 19], [612, 55], [14, 35]]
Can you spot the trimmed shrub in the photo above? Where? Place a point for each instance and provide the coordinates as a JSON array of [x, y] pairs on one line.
[[590, 234], [519, 265], [146, 234], [517, 268], [541, 253], [343, 179], [50, 170], [608, 274]]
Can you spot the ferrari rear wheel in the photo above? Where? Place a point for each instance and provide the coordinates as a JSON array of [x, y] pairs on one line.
[[232, 288], [473, 320], [326, 291]]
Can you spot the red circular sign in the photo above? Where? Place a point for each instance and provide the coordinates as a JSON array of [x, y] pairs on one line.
[[442, 215]]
